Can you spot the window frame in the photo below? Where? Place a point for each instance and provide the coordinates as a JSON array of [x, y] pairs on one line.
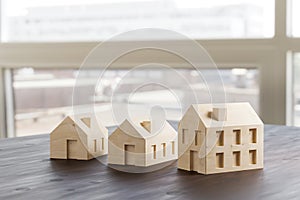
[[271, 56]]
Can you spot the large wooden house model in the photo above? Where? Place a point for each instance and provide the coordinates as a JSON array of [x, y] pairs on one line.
[[220, 138]]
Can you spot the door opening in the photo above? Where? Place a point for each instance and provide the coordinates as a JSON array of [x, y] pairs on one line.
[[129, 154], [193, 160]]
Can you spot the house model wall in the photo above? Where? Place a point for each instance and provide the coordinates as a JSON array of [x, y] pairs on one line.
[[139, 145], [220, 138], [80, 137]]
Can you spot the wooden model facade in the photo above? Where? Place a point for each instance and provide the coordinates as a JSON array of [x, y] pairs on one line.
[[139, 145], [220, 138], [78, 137]]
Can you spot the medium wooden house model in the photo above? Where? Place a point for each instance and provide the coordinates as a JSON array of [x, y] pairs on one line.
[[142, 144]]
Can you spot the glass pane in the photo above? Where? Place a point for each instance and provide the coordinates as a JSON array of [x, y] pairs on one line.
[[296, 92], [44, 97], [295, 18], [93, 20]]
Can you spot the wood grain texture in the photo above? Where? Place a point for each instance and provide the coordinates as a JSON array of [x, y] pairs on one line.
[[28, 173]]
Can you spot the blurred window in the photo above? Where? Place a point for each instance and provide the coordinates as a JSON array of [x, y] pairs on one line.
[[44, 97], [93, 20], [295, 18], [296, 92]]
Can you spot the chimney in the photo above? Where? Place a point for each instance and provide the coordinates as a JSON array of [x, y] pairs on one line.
[[219, 113], [86, 121], [146, 125]]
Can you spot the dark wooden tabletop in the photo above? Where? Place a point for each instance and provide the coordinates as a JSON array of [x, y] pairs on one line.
[[28, 173]]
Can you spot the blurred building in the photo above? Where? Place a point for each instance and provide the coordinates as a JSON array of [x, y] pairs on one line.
[[102, 21]]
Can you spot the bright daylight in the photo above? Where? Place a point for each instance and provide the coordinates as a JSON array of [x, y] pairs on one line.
[[149, 99]]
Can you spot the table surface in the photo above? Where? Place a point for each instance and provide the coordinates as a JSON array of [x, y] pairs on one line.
[[28, 173]]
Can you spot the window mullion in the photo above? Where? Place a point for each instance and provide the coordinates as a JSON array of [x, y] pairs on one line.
[[281, 19]]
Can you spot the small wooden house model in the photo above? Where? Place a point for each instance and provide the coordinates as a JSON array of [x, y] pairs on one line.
[[220, 138], [78, 137], [139, 145]]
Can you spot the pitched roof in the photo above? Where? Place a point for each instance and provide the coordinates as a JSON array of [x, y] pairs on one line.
[[238, 114], [133, 128], [81, 122]]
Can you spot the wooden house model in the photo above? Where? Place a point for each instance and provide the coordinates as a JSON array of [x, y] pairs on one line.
[[142, 144], [79, 137], [220, 138]]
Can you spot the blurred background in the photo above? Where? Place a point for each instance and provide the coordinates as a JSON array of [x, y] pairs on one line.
[[254, 43]]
